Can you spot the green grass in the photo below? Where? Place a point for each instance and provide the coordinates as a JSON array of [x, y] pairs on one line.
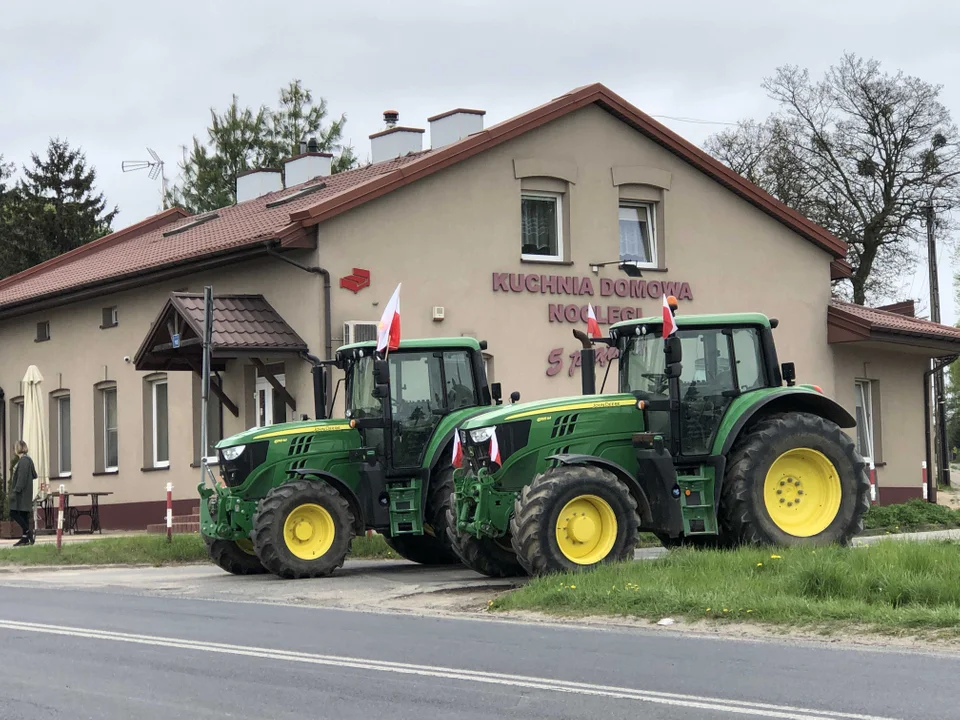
[[889, 587], [912, 515], [149, 550]]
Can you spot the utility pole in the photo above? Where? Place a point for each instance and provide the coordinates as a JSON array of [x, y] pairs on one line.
[[939, 396]]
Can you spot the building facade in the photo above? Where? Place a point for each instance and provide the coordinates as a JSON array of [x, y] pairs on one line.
[[504, 233]]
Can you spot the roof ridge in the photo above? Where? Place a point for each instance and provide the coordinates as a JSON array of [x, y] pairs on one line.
[[146, 225]]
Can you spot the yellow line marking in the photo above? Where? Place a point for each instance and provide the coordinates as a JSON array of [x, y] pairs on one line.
[[573, 406], [303, 430]]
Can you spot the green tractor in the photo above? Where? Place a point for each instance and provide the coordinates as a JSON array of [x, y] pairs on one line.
[[291, 497], [723, 448]]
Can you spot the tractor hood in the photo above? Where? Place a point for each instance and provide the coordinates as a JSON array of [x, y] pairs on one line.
[[543, 408], [283, 430]]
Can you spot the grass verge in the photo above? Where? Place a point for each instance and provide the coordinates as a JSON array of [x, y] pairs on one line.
[[150, 550], [910, 516], [892, 587]]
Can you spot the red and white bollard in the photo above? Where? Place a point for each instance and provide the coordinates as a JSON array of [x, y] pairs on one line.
[[60, 518], [923, 476], [874, 492], [169, 512]]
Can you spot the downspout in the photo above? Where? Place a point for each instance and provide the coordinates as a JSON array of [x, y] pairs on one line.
[[327, 318], [3, 441], [938, 365]]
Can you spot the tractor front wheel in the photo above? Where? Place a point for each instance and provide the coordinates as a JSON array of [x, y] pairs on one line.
[[493, 557], [794, 479], [234, 556], [303, 529], [573, 518], [434, 546]]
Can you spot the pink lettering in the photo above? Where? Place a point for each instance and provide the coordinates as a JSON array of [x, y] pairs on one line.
[[572, 313], [548, 283], [685, 293], [654, 289], [621, 287], [555, 312], [500, 282], [555, 360], [532, 283], [606, 287]]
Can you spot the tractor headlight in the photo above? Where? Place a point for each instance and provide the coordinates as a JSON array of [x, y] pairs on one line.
[[481, 435], [232, 453]]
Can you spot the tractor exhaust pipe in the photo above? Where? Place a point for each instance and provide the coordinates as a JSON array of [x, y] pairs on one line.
[[588, 367]]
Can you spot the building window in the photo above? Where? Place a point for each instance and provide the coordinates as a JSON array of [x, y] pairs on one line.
[[160, 423], [43, 331], [16, 412], [541, 226], [638, 239], [865, 419], [105, 429], [109, 317], [62, 407]]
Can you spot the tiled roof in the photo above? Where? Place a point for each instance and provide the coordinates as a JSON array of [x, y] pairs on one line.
[[241, 322], [145, 248], [850, 322]]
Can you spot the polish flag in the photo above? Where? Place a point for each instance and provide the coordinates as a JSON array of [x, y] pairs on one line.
[[593, 327], [669, 324], [495, 449], [457, 450], [388, 330]]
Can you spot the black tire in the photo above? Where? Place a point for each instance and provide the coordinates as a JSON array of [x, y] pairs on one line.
[[537, 509], [232, 558], [434, 546], [268, 529], [743, 513], [488, 556]]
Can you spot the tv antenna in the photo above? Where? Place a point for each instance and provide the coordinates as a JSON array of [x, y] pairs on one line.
[[155, 167]]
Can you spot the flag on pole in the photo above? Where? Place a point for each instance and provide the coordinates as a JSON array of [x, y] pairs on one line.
[[593, 327], [494, 448], [388, 330], [457, 450], [669, 324]]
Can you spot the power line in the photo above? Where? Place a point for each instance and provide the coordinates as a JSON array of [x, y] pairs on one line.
[[696, 121]]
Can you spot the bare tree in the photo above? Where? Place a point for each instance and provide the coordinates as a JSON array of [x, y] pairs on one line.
[[862, 153]]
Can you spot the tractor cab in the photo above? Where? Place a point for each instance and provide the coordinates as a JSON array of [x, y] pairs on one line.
[[398, 403], [689, 381]]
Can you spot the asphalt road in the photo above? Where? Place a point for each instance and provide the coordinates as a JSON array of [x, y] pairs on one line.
[[98, 653]]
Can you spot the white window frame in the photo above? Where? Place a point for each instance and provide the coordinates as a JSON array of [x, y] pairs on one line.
[[20, 418], [106, 429], [651, 211], [264, 384], [558, 199], [157, 463], [864, 388], [60, 457]]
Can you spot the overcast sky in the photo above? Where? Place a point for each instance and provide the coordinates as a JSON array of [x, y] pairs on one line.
[[115, 77]]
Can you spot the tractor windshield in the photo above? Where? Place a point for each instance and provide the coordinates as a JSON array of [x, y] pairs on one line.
[[718, 364], [361, 402]]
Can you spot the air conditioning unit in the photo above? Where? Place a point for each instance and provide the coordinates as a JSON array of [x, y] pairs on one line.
[[438, 312], [355, 331]]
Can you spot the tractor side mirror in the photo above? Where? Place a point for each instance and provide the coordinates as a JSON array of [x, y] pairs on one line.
[[381, 379], [514, 396], [496, 392], [789, 372], [673, 350]]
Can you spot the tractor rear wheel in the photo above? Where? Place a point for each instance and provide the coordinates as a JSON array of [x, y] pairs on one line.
[[434, 546], [303, 529], [234, 556], [794, 479], [493, 557], [573, 518]]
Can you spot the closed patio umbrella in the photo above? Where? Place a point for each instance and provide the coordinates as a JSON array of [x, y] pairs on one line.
[[35, 429]]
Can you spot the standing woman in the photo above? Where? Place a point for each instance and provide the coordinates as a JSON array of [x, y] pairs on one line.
[[21, 499]]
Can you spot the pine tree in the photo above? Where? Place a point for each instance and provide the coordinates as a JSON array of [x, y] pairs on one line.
[[242, 139], [53, 209]]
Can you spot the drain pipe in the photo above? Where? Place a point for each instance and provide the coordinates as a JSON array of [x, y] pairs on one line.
[[327, 313], [932, 477]]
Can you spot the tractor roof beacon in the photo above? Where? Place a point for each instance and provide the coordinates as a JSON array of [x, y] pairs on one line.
[[708, 441], [291, 497]]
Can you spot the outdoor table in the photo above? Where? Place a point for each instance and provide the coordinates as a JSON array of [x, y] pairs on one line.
[[72, 514]]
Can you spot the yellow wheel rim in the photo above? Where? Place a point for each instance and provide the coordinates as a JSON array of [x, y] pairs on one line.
[[246, 546], [586, 529], [802, 492], [308, 531]]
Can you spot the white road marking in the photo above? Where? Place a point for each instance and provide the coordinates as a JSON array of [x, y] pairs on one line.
[[782, 712]]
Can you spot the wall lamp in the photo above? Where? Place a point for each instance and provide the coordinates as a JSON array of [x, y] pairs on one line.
[[630, 268]]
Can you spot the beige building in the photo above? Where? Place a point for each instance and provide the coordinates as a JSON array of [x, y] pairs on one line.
[[503, 233]]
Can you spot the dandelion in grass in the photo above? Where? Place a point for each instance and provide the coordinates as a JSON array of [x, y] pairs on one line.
[[776, 557], [759, 564]]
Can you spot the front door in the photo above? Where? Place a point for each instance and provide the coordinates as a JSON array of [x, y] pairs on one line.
[[270, 408]]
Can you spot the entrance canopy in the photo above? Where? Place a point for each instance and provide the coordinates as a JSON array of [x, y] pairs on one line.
[[245, 327]]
